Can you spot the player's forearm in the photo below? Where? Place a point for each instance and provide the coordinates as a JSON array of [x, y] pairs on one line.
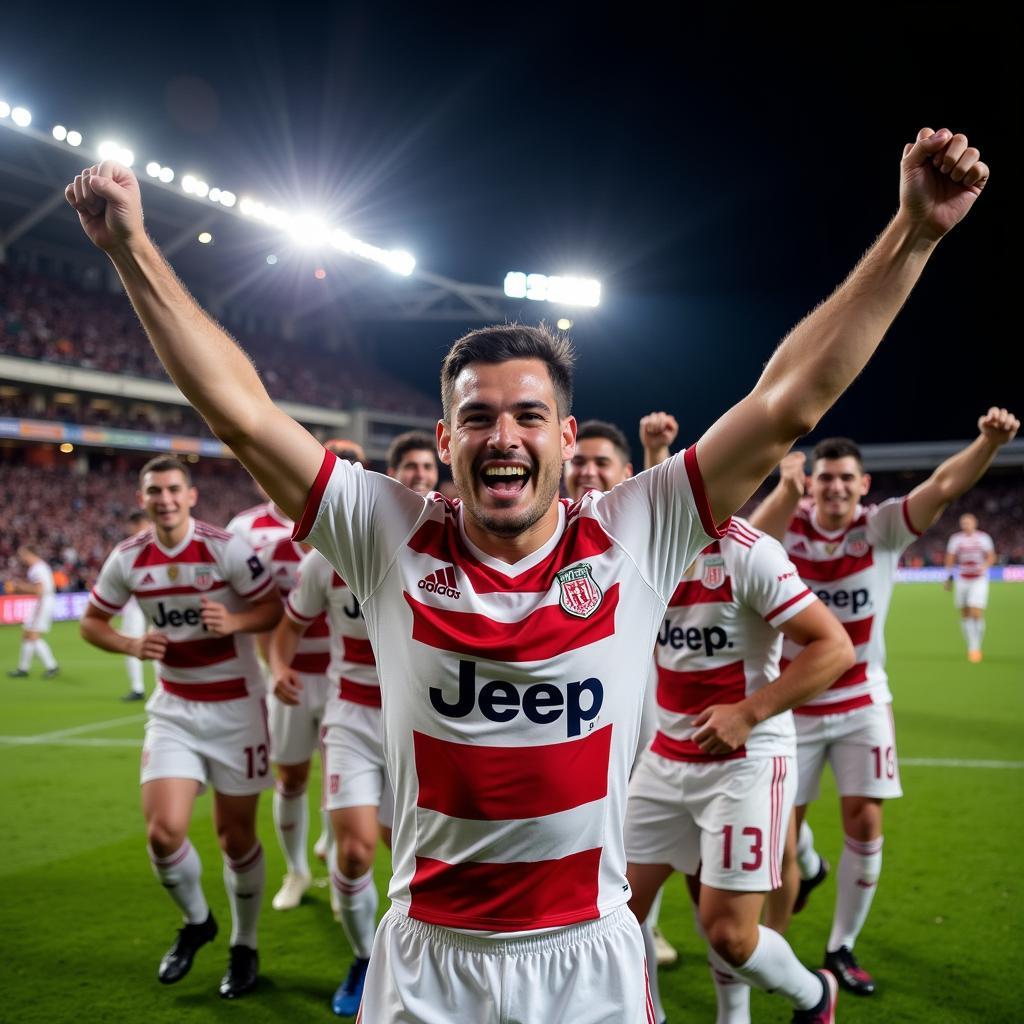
[[258, 618], [102, 635], [950, 561], [774, 514], [960, 472], [656, 456], [283, 644], [825, 352], [811, 672]]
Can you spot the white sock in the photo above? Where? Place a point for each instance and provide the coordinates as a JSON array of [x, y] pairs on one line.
[[807, 858], [981, 630], [25, 655], [291, 820], [134, 666], [859, 868], [655, 912], [732, 993], [326, 831], [773, 967], [968, 632], [243, 879], [45, 654], [357, 898], [652, 970], [180, 875]]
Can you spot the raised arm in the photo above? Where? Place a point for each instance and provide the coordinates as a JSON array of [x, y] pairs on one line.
[[773, 515], [960, 472], [823, 354], [213, 373]]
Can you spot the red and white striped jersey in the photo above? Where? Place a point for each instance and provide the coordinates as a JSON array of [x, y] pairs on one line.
[[353, 669], [168, 584], [313, 652], [511, 700], [261, 525], [971, 551], [853, 571], [719, 641]]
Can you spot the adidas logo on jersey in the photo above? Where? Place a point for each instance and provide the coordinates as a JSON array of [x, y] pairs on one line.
[[148, 578], [441, 582]]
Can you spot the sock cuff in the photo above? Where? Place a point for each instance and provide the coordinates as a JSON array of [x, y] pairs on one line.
[[246, 863], [351, 886], [868, 849], [171, 860], [289, 794]]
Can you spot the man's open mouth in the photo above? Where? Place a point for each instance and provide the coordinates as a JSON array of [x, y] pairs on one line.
[[504, 480]]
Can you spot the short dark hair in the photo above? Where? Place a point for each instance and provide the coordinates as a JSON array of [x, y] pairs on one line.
[[165, 464], [837, 448], [347, 451], [503, 342], [137, 516], [410, 441], [610, 432]]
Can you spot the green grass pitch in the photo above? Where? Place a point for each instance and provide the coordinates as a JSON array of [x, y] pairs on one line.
[[83, 923]]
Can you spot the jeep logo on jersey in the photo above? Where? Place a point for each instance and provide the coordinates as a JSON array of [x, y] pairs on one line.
[[710, 639], [714, 572], [541, 703], [579, 593], [203, 579], [172, 617], [857, 543], [855, 599]]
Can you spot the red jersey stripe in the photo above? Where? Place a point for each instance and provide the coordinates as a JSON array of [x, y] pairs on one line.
[[694, 592], [544, 633], [285, 551], [478, 783], [859, 632], [359, 693], [199, 653], [906, 518], [786, 604], [318, 628], [700, 497], [314, 663], [507, 897], [832, 569], [852, 676], [358, 651], [173, 591], [104, 604], [687, 750], [222, 689], [802, 525], [837, 708], [315, 496], [195, 552], [689, 693]]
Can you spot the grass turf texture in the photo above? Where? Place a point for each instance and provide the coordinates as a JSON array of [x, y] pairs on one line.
[[84, 922]]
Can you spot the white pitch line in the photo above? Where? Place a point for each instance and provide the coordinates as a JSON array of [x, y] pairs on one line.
[[45, 737], [70, 741], [950, 762]]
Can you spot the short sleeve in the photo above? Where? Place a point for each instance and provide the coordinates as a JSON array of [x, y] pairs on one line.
[[112, 589], [889, 526], [358, 520], [951, 545], [245, 570], [662, 518], [308, 598], [35, 573], [770, 584], [987, 544]]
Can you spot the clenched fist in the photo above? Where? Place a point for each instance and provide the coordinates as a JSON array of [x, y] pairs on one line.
[[658, 430], [998, 425], [106, 197], [792, 473], [151, 647]]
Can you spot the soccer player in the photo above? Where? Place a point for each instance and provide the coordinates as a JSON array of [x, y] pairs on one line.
[[133, 620], [412, 461], [973, 553], [204, 592], [511, 699], [849, 553], [40, 584]]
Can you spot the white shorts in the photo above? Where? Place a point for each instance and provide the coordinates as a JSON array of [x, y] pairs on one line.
[[861, 747], [353, 758], [591, 973], [41, 616], [295, 728], [971, 593], [225, 744], [727, 818]]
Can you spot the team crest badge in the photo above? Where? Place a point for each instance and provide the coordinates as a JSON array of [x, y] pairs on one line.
[[203, 579], [579, 593], [714, 572], [172, 572], [335, 784], [857, 543]]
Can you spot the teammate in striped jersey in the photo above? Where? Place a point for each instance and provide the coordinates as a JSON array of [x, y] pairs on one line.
[[511, 702], [848, 553], [412, 461], [203, 592], [972, 552], [40, 584]]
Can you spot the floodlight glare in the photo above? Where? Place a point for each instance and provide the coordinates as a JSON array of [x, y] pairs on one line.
[[5, 109], [515, 285], [564, 324], [108, 150], [153, 169], [166, 175], [60, 133], [227, 199], [201, 189], [214, 195], [21, 117], [401, 262], [271, 259], [74, 138], [308, 230], [205, 237], [188, 183], [568, 291], [126, 157]]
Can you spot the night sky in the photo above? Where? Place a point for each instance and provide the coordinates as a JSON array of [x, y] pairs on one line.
[[719, 172]]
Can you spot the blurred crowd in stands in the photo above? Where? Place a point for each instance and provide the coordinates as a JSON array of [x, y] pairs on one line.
[[48, 319]]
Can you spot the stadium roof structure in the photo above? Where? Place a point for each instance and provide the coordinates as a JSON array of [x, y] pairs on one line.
[[235, 270]]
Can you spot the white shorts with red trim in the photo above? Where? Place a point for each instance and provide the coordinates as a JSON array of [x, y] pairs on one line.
[[727, 818], [41, 616], [223, 744], [353, 757], [592, 973], [295, 728], [971, 593], [860, 745]]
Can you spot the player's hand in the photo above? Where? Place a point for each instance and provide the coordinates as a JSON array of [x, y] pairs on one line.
[[109, 205], [722, 728], [947, 583], [287, 687], [151, 647], [792, 474], [998, 425], [940, 178], [216, 618], [658, 430]]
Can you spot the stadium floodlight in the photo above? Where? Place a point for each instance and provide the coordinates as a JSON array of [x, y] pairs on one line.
[[59, 132], [74, 138], [153, 169], [214, 195], [205, 237], [228, 199], [401, 262], [110, 150], [564, 323], [308, 230], [566, 291], [188, 183], [5, 109], [166, 175], [201, 189], [21, 117]]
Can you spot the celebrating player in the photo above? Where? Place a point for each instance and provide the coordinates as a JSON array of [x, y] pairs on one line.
[[973, 553], [511, 696], [412, 461], [848, 553], [203, 592], [39, 583]]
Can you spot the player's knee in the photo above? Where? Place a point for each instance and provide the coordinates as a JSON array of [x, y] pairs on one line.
[[732, 940], [164, 836], [355, 856], [863, 822], [292, 778], [236, 837]]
